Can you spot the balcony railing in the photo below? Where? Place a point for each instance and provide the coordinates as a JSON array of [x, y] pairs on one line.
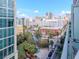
[[64, 52]]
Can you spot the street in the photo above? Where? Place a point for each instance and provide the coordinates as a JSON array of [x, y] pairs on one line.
[[43, 53]]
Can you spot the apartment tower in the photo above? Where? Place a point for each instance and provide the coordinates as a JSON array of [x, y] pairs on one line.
[[7, 30]]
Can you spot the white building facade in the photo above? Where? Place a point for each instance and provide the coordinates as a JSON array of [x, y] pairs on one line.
[[72, 41]]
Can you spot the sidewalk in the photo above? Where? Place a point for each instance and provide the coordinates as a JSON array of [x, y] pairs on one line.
[[43, 53]]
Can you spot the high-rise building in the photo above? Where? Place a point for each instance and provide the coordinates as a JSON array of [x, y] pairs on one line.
[[37, 20], [71, 45], [75, 1], [74, 41], [49, 15], [8, 48]]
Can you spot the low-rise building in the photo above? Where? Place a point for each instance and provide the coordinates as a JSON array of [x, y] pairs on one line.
[[53, 25]]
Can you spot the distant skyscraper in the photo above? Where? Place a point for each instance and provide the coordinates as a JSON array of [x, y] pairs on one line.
[[7, 30], [49, 15]]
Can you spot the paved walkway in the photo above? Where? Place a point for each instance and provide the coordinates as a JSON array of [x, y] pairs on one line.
[[43, 53]]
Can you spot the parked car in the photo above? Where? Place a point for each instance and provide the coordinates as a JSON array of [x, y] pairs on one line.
[[50, 54]]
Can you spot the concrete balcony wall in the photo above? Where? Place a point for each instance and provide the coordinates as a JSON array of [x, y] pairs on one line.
[[64, 52], [77, 55]]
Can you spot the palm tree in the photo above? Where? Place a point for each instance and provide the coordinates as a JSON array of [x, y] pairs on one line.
[[20, 39], [38, 33]]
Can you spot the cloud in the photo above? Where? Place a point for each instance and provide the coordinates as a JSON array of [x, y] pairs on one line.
[[20, 14], [23, 12], [26, 12], [36, 11], [65, 12]]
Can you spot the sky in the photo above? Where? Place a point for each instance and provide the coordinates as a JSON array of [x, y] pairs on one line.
[[40, 7]]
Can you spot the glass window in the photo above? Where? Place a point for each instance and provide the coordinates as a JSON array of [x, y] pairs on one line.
[[5, 52], [10, 22], [1, 54], [10, 13], [3, 3], [5, 42], [10, 31], [0, 33], [2, 12], [76, 23], [2, 23], [1, 44], [10, 3], [10, 50], [10, 40], [3, 33]]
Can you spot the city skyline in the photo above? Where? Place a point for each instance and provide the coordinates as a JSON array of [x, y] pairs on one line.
[[39, 29], [40, 7]]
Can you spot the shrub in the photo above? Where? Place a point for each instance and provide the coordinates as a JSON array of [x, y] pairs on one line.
[[25, 45], [43, 43]]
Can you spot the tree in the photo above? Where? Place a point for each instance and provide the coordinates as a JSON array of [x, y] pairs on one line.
[[51, 42], [43, 43], [25, 28], [37, 26], [53, 33], [20, 39], [38, 33], [25, 48], [50, 34], [30, 47], [27, 36]]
